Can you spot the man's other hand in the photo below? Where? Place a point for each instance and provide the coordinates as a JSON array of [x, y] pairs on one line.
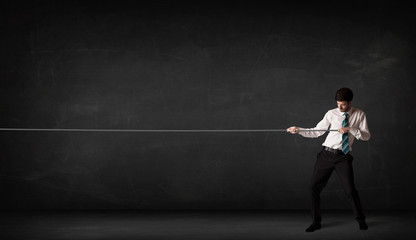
[[293, 130], [344, 130]]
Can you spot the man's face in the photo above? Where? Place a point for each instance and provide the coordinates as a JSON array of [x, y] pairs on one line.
[[344, 106]]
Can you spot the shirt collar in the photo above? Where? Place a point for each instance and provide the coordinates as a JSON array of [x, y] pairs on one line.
[[349, 112]]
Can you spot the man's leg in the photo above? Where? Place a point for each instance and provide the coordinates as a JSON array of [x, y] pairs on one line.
[[321, 173], [346, 175]]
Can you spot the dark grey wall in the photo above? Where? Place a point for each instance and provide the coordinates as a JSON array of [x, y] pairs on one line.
[[211, 66]]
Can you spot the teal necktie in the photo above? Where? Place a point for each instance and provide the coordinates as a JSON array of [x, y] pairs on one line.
[[344, 143]]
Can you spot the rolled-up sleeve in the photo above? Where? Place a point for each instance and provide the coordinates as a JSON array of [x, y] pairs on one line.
[[324, 124], [362, 132]]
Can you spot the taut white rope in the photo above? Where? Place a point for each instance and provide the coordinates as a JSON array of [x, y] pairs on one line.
[[152, 130]]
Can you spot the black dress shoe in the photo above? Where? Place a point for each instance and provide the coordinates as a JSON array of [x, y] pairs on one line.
[[313, 227], [363, 225]]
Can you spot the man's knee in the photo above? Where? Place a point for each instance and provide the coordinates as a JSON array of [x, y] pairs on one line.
[[351, 192], [316, 188]]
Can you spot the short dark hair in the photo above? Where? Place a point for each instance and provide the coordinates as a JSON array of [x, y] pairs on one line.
[[344, 94]]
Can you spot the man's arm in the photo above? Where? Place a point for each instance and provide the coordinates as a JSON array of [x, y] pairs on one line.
[[362, 132], [324, 124]]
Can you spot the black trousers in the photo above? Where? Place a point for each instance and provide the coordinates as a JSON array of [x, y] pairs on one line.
[[325, 164]]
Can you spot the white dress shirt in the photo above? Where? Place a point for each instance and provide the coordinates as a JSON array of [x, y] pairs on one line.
[[357, 121]]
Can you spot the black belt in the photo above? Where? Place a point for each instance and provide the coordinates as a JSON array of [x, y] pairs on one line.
[[336, 151]]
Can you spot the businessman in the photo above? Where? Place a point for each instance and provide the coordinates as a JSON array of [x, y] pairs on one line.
[[336, 155]]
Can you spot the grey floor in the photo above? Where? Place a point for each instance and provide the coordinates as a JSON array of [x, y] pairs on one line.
[[202, 225]]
